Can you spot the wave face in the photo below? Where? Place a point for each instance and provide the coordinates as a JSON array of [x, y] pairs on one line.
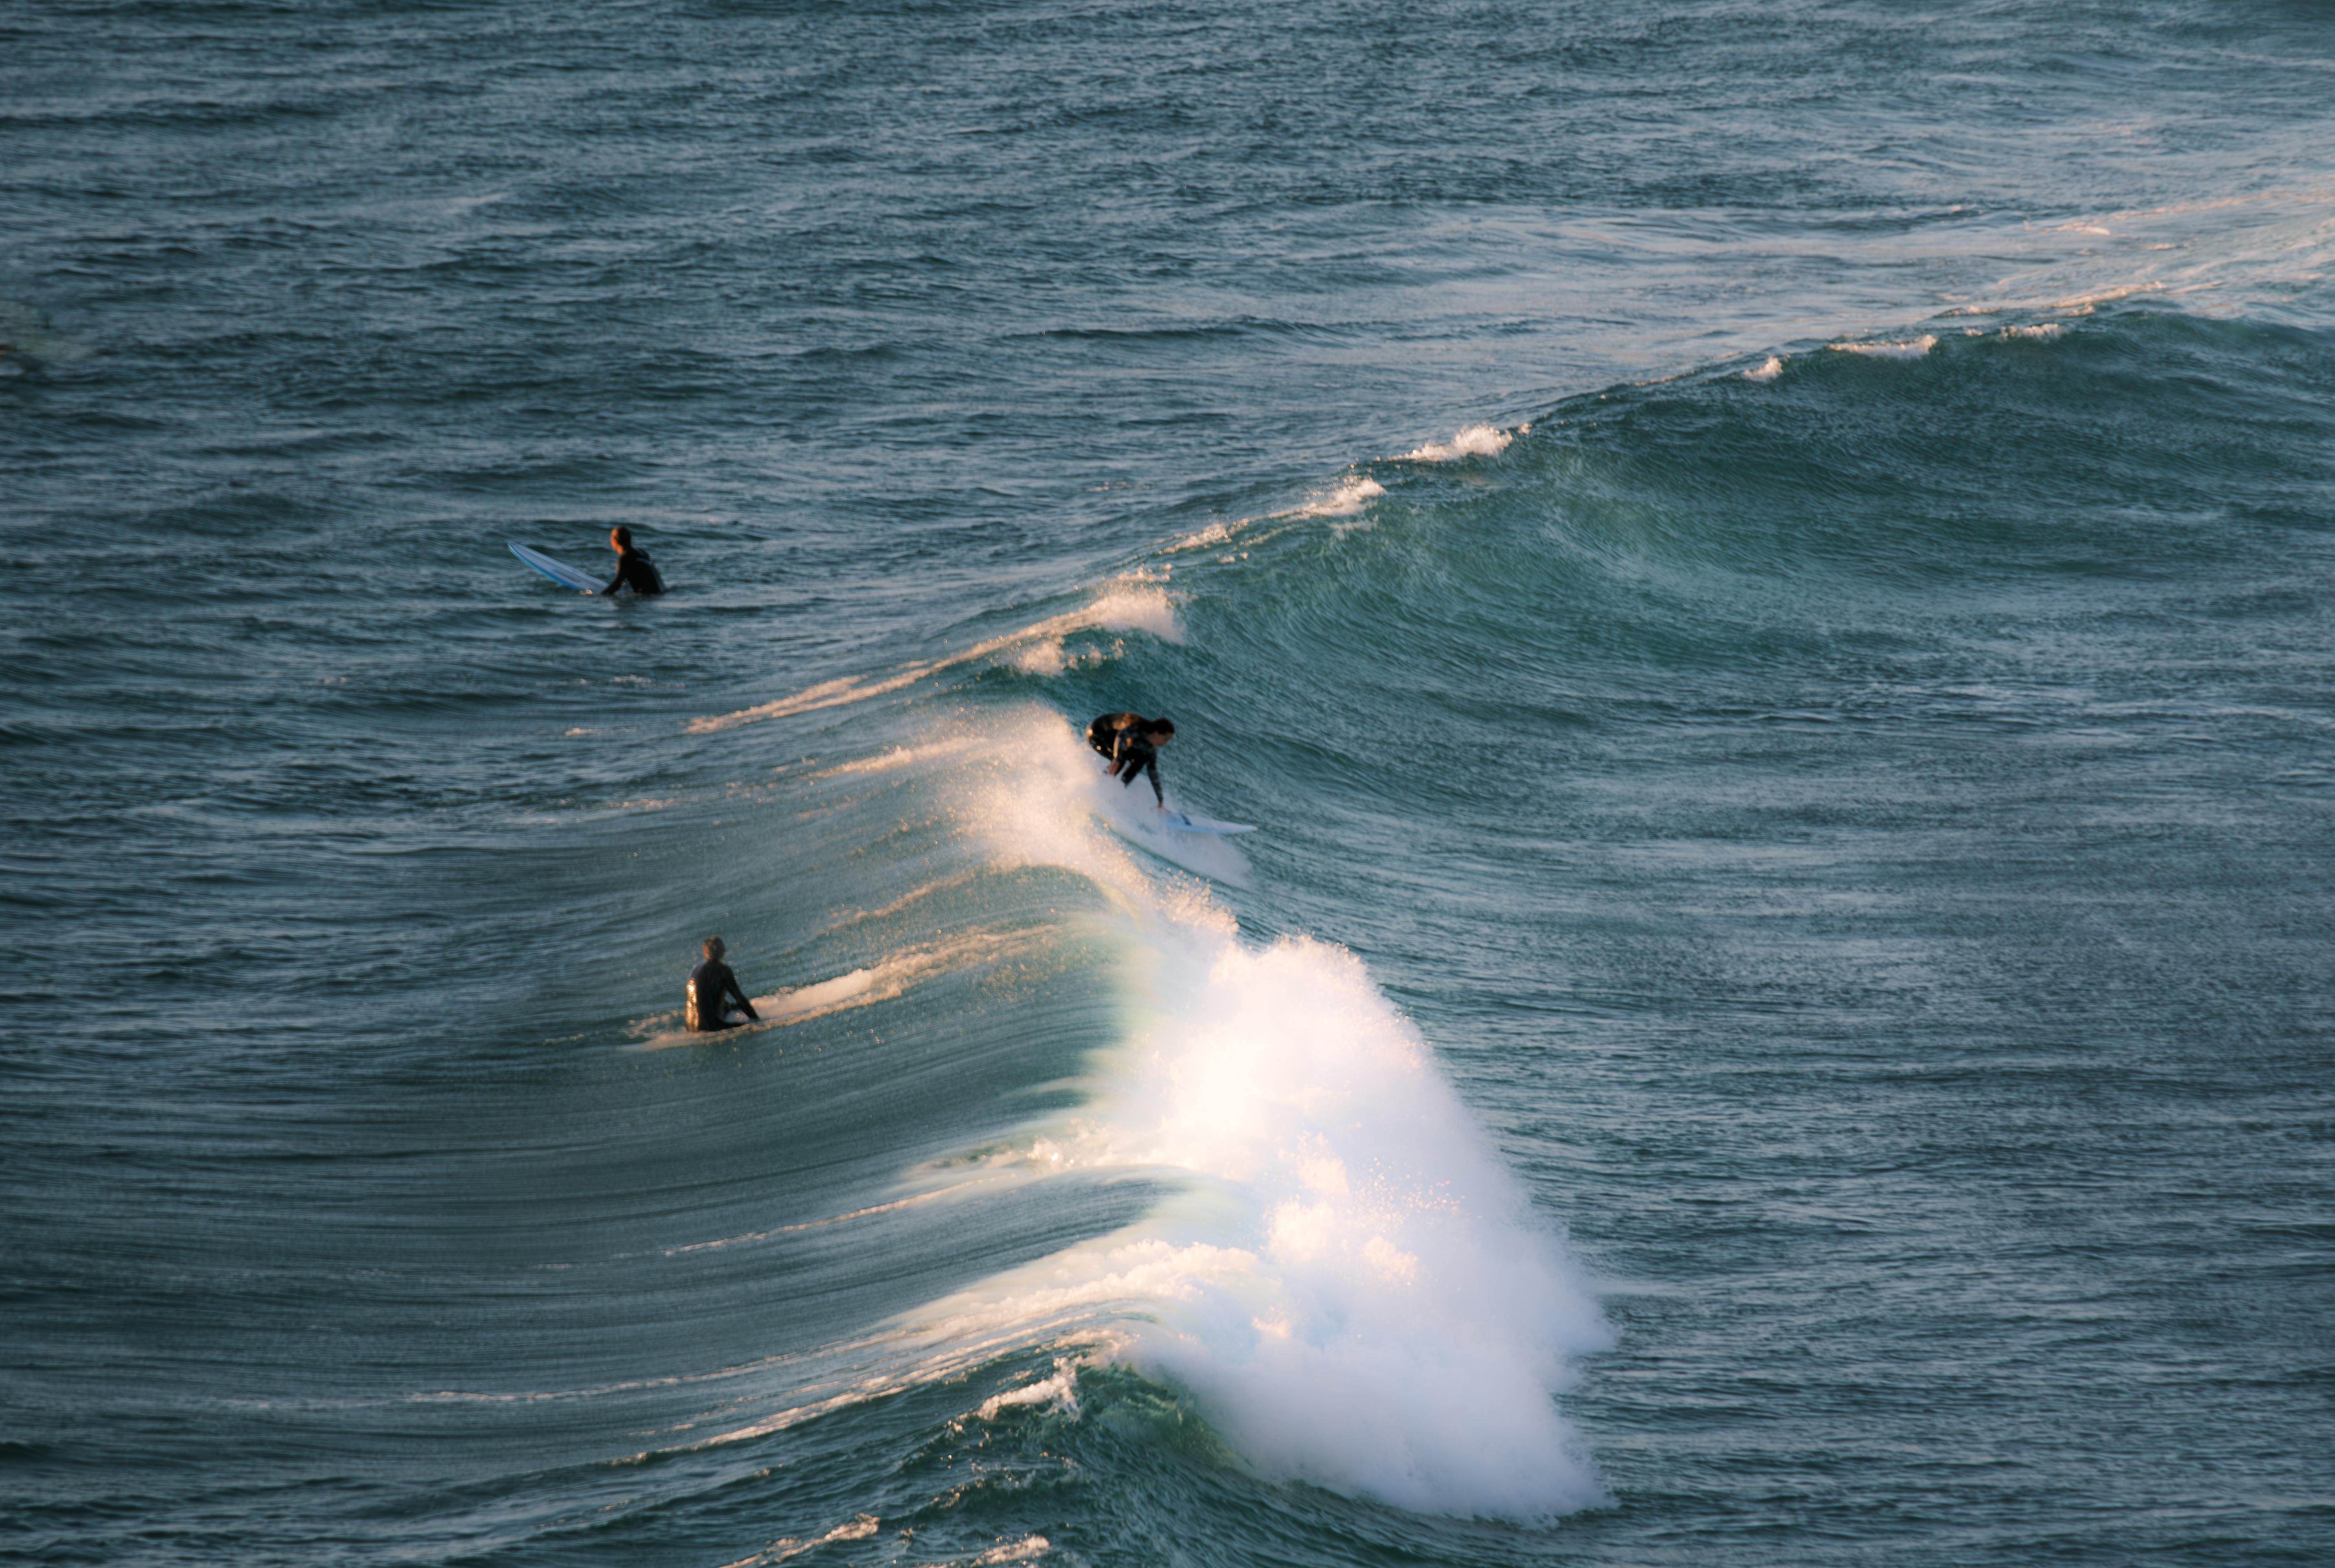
[[1762, 578]]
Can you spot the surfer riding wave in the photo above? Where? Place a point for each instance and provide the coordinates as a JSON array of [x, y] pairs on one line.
[[1131, 743]]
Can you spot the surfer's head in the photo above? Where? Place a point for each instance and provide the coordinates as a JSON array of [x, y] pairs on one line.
[[620, 539], [713, 947], [1162, 731]]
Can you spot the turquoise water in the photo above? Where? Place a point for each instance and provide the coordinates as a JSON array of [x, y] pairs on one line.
[[1763, 572]]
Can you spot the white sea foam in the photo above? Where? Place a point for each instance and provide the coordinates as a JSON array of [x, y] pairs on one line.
[[1912, 348], [1350, 496], [2041, 330], [1475, 441], [1345, 498], [860, 1528], [1769, 371], [1133, 604], [1353, 1289], [1051, 658], [1060, 1391], [1214, 534]]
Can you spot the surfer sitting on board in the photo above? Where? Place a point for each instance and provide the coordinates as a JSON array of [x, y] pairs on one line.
[[712, 987], [633, 567], [1132, 743]]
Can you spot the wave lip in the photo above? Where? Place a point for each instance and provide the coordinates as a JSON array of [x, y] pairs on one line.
[[1912, 348], [1396, 1322], [1343, 500], [1134, 604], [1475, 441]]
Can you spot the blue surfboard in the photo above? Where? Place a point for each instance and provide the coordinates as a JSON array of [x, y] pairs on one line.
[[559, 572]]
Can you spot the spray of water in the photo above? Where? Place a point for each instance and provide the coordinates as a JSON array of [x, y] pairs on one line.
[[1352, 1288]]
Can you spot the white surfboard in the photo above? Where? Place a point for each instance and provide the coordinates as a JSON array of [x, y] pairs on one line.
[[1185, 822], [559, 572]]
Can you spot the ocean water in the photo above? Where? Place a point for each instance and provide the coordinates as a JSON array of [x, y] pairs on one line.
[[1765, 573]]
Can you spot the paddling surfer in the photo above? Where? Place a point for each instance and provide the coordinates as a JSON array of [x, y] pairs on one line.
[[1132, 743], [712, 987], [634, 567]]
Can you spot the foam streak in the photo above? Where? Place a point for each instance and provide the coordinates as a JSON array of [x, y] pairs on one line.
[[1129, 606]]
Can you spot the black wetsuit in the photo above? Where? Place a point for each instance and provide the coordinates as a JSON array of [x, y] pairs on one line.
[[1123, 738], [711, 988], [634, 568], [1103, 733]]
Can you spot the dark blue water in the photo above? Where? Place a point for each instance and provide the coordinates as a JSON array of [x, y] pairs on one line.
[[1763, 573]]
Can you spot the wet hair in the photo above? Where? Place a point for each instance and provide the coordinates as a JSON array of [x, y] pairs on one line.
[[1160, 727], [713, 947], [622, 537]]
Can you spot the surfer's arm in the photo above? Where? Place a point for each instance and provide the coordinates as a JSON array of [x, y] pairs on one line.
[[729, 984], [1128, 757]]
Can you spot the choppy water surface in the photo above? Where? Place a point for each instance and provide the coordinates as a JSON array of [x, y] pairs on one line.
[[1763, 572]]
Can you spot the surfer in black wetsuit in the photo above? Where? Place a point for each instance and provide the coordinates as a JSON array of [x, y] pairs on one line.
[[711, 989], [1132, 743], [634, 566]]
